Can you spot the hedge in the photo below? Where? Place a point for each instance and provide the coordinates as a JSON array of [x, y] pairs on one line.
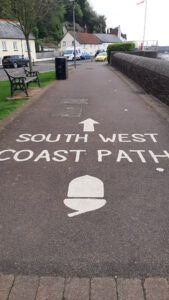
[[119, 47]]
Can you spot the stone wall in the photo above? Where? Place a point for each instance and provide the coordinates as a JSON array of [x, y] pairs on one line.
[[46, 54], [152, 74]]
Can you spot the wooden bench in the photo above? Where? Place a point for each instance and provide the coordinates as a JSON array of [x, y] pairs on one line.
[[20, 79]]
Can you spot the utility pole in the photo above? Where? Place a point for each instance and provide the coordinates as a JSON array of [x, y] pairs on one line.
[[74, 33], [145, 20]]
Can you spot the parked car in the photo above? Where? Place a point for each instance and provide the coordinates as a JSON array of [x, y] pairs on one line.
[[85, 55], [101, 57], [69, 53], [14, 61]]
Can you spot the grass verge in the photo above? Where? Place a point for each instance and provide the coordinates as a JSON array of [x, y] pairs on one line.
[[7, 107], [45, 79]]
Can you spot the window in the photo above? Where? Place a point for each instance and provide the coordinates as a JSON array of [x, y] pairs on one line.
[[15, 46], [64, 44], [25, 47], [4, 46]]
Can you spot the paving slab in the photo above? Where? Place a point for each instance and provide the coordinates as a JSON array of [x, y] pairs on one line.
[[77, 288], [130, 289], [103, 289], [156, 289], [50, 288], [6, 282], [24, 288]]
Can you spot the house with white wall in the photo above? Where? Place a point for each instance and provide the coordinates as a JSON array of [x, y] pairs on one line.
[[87, 41], [12, 40], [92, 42], [114, 35], [107, 39]]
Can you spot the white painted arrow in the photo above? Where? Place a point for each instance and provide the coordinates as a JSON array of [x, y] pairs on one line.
[[89, 125]]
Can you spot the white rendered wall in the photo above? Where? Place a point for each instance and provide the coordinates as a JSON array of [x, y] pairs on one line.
[[21, 48]]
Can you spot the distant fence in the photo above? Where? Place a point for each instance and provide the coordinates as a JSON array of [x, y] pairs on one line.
[[152, 74], [148, 45]]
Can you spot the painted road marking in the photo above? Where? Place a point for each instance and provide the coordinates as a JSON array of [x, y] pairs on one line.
[[85, 194], [76, 155], [89, 125], [75, 101], [160, 169]]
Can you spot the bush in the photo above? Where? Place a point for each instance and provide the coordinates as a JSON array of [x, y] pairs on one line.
[[119, 47]]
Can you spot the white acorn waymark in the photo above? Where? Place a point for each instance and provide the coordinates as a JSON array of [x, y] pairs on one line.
[[85, 194]]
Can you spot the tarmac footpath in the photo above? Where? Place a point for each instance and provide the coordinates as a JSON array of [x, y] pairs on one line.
[[84, 191]]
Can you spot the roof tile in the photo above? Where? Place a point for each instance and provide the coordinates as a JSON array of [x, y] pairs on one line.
[[107, 38], [11, 30], [86, 38]]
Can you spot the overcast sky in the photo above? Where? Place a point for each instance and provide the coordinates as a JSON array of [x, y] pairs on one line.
[[130, 17]]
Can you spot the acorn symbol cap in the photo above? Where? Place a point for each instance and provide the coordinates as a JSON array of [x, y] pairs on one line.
[[86, 187], [85, 194]]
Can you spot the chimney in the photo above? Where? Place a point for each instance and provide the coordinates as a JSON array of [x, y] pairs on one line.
[[113, 31], [85, 29]]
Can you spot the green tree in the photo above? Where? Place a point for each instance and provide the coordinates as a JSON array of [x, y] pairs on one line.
[[45, 18], [69, 12], [85, 15], [27, 12], [93, 21], [50, 27]]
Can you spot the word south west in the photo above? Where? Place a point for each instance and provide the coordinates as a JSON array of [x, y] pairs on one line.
[[120, 137]]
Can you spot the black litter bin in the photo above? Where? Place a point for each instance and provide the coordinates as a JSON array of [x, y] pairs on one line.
[[61, 68]]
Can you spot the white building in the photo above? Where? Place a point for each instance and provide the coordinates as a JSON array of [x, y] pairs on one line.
[[92, 42], [12, 40], [87, 41], [114, 35], [107, 39]]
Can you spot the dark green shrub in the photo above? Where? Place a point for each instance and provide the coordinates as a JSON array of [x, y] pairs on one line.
[[120, 47]]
